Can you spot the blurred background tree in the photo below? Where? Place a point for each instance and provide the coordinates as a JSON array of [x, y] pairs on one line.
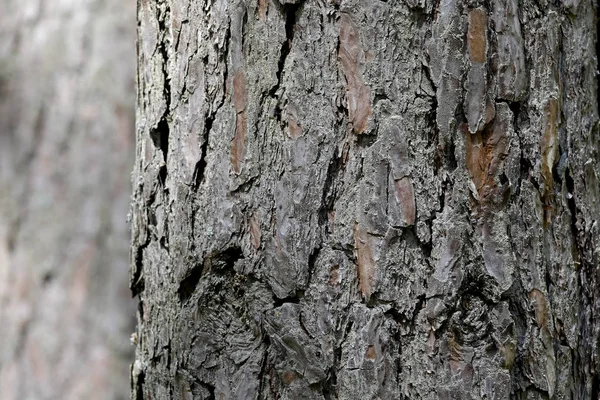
[[67, 89]]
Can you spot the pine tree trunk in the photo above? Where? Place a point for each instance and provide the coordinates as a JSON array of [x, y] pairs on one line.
[[67, 84], [366, 199]]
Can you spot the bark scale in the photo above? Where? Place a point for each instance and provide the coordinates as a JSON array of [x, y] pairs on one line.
[[366, 199]]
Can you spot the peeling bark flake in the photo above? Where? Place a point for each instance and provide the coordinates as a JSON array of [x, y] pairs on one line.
[[371, 353], [365, 261], [540, 307], [262, 10], [485, 152], [239, 103], [476, 38], [405, 197], [549, 147], [255, 233]]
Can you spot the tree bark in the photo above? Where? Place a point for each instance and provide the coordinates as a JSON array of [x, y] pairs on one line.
[[67, 85], [366, 199]]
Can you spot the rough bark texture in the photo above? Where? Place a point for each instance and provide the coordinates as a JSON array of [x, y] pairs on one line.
[[364, 199], [67, 89]]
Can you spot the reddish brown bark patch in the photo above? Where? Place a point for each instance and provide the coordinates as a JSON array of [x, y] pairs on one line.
[[239, 103], [289, 377], [239, 91], [371, 354], [509, 352], [549, 147], [540, 307], [476, 38], [262, 10], [255, 233], [405, 196], [358, 94], [294, 128], [334, 275], [486, 151], [365, 261]]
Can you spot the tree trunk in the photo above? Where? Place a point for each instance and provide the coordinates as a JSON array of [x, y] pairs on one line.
[[365, 199], [66, 143]]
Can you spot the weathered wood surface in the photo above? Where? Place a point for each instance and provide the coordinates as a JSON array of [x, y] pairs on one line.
[[67, 89], [365, 199]]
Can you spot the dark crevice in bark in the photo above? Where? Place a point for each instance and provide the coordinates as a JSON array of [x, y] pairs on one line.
[[379, 96], [543, 394], [244, 29], [246, 185], [526, 168], [502, 179], [312, 259], [446, 187], [200, 167], [140, 308], [596, 386], [329, 194], [387, 189], [162, 175], [294, 299], [289, 12], [160, 134], [139, 387], [434, 134], [330, 385], [210, 389], [397, 316], [162, 49], [418, 306], [342, 112], [519, 313], [365, 140], [160, 137], [272, 383], [164, 244], [220, 262], [188, 285], [224, 261], [525, 165], [264, 366], [137, 281], [559, 167], [167, 349], [426, 247], [573, 210], [403, 319], [477, 286], [450, 156], [347, 250]]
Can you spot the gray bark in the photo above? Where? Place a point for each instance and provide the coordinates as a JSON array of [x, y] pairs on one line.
[[366, 199], [67, 87]]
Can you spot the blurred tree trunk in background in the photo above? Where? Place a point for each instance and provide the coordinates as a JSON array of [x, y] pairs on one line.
[[67, 91], [364, 199]]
